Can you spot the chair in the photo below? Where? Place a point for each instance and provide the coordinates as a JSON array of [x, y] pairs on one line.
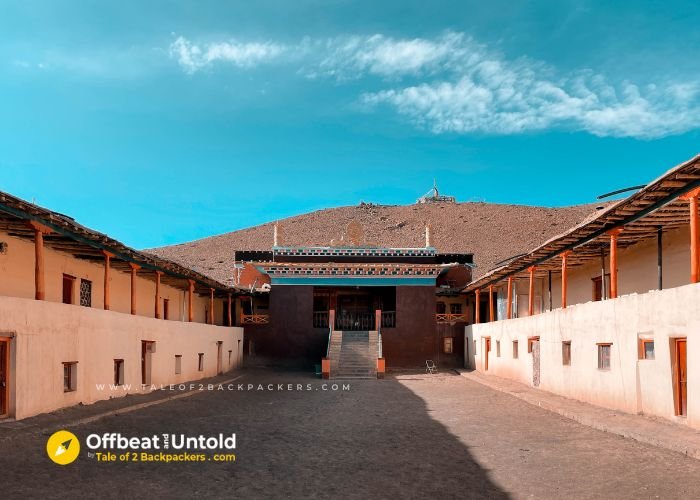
[[430, 367]]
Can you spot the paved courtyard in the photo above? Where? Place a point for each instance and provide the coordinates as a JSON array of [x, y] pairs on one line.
[[409, 436]]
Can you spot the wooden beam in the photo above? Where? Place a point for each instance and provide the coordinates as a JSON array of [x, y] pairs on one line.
[[564, 277], [134, 268], [477, 319], [531, 294], [157, 298], [190, 297], [39, 288], [229, 311], [509, 305], [613, 261], [108, 256], [492, 313], [211, 306]]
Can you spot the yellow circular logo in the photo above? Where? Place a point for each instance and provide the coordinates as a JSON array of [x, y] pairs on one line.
[[63, 447]]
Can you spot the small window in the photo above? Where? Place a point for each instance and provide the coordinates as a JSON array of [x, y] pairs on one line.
[[448, 345], [68, 284], [70, 376], [456, 308], [86, 293], [441, 308], [200, 363], [530, 342], [604, 356], [646, 349], [498, 348], [474, 347], [515, 349], [166, 308], [566, 353], [118, 372], [229, 358], [178, 364]]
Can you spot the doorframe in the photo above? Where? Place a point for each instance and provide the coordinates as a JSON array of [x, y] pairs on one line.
[[677, 406], [8, 376], [487, 349], [147, 361]]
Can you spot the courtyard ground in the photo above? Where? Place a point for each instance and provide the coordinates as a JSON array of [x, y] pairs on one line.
[[408, 436]]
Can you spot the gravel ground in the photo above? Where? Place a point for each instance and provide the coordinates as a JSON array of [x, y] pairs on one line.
[[408, 436]]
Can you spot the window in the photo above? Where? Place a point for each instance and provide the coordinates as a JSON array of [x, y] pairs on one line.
[[566, 353], [455, 308], [229, 358], [604, 356], [68, 283], [118, 372], [200, 365], [474, 347], [178, 364], [86, 293], [448, 345], [646, 348], [441, 308], [70, 376], [515, 349], [498, 348], [530, 342], [166, 308]]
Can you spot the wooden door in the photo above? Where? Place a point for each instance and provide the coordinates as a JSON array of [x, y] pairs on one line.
[[681, 377], [4, 376], [487, 350]]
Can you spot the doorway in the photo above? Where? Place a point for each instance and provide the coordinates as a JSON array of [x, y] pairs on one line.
[[4, 377], [487, 350], [680, 377], [147, 349], [219, 360]]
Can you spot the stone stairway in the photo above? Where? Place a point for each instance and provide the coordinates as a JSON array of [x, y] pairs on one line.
[[353, 355]]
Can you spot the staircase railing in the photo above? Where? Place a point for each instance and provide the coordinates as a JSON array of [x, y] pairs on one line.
[[331, 322]]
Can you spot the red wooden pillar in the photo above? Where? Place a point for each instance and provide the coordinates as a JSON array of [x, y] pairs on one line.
[[492, 312], [564, 278], [39, 279], [211, 306], [477, 318], [531, 293], [134, 268], [156, 305], [509, 305], [378, 319], [229, 313], [613, 262], [108, 258], [190, 298], [694, 236]]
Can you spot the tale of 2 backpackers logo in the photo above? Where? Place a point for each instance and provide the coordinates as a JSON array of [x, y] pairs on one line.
[[63, 447]]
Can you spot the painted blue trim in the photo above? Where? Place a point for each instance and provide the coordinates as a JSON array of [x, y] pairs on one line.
[[359, 281]]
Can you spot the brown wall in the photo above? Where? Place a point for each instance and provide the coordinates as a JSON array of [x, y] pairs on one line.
[[415, 337], [289, 336]]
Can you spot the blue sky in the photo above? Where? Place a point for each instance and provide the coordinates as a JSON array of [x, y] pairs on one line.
[[161, 122]]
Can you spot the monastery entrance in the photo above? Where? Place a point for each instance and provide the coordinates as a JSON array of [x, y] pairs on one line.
[[355, 307]]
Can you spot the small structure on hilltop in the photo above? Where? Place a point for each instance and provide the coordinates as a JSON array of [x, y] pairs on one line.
[[434, 196]]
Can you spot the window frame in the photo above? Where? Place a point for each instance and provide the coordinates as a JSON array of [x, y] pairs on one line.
[[516, 353], [200, 362], [118, 372], [566, 353], [530, 342], [70, 376], [68, 279], [643, 341], [601, 358], [178, 364], [448, 341]]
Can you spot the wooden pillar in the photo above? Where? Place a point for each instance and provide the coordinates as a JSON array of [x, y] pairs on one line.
[[492, 313], [108, 257], [190, 298], [531, 293], [477, 305], [694, 235], [39, 279], [229, 312], [211, 306], [660, 257], [509, 305], [564, 278], [134, 268], [378, 319], [613, 262], [156, 305]]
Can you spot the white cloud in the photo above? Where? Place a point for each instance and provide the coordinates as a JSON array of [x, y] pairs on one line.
[[452, 84], [192, 57]]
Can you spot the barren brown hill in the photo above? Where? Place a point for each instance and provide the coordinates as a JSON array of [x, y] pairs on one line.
[[492, 232]]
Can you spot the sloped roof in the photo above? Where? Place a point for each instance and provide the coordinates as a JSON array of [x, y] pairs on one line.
[[492, 232]]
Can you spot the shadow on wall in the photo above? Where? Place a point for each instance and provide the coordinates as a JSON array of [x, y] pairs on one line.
[[376, 440]]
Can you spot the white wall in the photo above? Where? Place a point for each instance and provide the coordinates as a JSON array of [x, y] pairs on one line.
[[631, 385], [46, 334]]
